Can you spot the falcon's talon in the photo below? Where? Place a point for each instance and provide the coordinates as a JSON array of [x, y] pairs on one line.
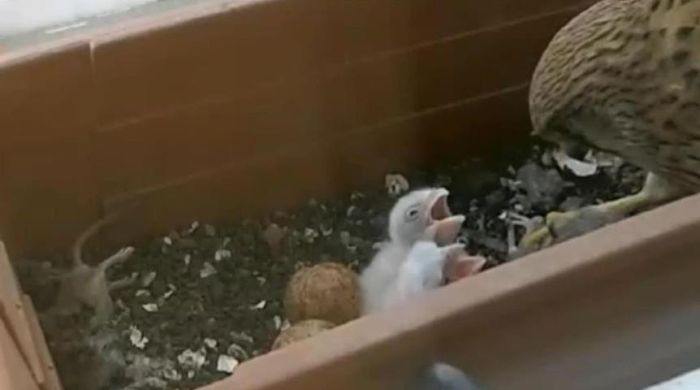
[[530, 224], [557, 219], [548, 234], [536, 239]]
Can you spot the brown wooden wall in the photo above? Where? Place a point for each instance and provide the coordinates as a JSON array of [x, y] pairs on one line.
[[218, 109]]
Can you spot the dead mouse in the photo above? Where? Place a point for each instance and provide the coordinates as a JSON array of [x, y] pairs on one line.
[[88, 285]]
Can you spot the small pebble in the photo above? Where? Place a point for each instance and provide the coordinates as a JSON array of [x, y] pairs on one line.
[[171, 374], [193, 228], [207, 270], [150, 307], [170, 292], [137, 338], [356, 196], [222, 254], [226, 364], [310, 235], [211, 343], [148, 279], [192, 360], [277, 321], [155, 383], [326, 231], [241, 337], [237, 351]]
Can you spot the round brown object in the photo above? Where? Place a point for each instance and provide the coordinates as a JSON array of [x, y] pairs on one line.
[[327, 291], [300, 331]]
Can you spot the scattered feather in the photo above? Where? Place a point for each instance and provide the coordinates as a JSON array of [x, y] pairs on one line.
[[577, 167]]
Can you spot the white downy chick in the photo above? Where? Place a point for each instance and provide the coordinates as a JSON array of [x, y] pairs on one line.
[[419, 215], [423, 215], [427, 267]]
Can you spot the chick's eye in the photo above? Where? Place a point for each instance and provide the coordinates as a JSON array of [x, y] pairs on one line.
[[412, 214]]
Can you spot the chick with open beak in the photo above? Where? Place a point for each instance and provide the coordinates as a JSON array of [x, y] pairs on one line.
[[420, 215], [424, 215]]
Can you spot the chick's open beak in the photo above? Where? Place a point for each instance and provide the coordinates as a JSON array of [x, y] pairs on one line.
[[436, 206], [443, 227]]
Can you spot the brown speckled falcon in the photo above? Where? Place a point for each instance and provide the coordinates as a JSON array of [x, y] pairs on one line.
[[624, 77]]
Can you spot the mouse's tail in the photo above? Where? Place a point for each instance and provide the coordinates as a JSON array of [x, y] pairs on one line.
[[87, 234]]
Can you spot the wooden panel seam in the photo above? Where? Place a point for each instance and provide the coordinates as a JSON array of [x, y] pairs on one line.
[[129, 195], [330, 71]]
